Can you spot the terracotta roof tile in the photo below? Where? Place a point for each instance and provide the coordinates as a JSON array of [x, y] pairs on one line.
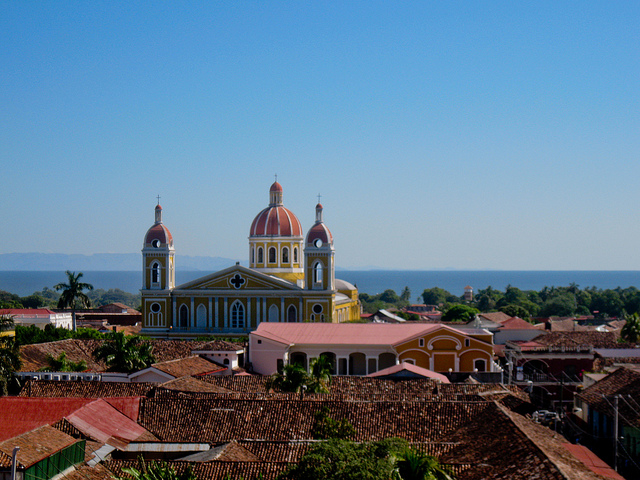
[[193, 365], [49, 388], [35, 445]]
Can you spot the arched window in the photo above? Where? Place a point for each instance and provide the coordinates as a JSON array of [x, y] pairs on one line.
[[253, 254], [184, 316], [273, 314], [285, 255], [272, 255], [292, 314], [260, 255], [237, 315], [480, 365], [317, 273], [201, 316], [155, 273], [295, 254], [155, 315]]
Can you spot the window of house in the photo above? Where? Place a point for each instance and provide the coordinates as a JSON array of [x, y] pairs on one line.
[[272, 255], [467, 342], [285, 255], [480, 365], [253, 255], [295, 254], [260, 255], [421, 342]]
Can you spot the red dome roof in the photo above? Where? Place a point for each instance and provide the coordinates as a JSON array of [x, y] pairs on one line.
[[321, 231], [276, 221], [276, 187], [159, 232]]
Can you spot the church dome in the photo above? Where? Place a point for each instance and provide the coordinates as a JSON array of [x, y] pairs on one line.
[[319, 231], [158, 235], [276, 220]]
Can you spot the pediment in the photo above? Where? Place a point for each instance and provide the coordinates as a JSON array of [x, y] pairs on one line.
[[238, 278]]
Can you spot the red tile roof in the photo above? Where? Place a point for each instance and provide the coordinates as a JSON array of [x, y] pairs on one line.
[[409, 367], [344, 333], [20, 415]]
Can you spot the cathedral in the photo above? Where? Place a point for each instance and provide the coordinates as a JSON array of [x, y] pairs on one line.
[[290, 279]]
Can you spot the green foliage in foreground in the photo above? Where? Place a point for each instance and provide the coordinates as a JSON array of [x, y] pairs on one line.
[[156, 471], [325, 427], [125, 353], [9, 354], [383, 460], [32, 334]]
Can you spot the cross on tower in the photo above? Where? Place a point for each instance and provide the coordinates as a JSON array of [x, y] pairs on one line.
[[319, 198], [158, 199], [237, 281], [276, 175]]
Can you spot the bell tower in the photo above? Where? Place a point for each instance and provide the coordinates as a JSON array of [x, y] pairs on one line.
[[320, 271], [158, 256]]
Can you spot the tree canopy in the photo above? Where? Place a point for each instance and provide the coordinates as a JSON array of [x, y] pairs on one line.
[[125, 353], [73, 295], [9, 354]]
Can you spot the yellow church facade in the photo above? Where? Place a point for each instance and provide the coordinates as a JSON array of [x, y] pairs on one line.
[[290, 278]]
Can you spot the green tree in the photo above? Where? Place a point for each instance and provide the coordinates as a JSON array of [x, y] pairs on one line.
[[389, 296], [293, 378], [516, 311], [631, 330], [73, 295], [415, 465], [125, 353], [405, 296], [9, 353], [563, 305], [460, 313], [436, 296], [159, 470], [338, 459], [320, 376], [61, 364], [325, 427]]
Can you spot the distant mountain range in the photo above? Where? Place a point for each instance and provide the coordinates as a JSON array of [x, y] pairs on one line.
[[101, 262]]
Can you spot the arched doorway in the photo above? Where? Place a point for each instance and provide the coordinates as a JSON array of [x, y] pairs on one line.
[[386, 360], [357, 364], [299, 358]]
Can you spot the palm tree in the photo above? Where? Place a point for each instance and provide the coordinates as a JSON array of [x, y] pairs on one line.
[[125, 353], [72, 294], [420, 466], [293, 378], [61, 364], [9, 353], [631, 330], [321, 370]]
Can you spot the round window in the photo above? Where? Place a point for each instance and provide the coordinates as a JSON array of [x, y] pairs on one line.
[[155, 307], [156, 243], [317, 308], [318, 243]]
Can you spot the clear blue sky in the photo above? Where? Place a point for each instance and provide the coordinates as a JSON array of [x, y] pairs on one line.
[[470, 135]]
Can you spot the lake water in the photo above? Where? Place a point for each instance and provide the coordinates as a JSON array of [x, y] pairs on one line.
[[371, 282]]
